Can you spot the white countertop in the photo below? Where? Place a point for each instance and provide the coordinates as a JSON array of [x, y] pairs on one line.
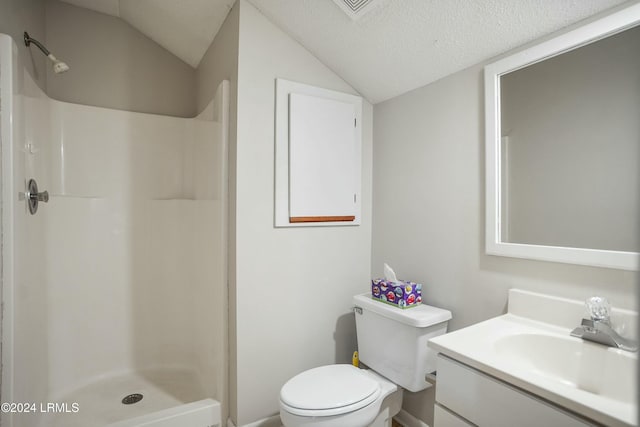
[[542, 358]]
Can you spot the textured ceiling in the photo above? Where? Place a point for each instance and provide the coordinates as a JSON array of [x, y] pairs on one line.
[[186, 28], [400, 45], [394, 47]]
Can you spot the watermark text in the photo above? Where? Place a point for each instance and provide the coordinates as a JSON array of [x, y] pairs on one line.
[[40, 407]]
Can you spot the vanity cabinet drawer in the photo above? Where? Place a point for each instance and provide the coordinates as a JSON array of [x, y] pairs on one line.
[[486, 401], [443, 418]]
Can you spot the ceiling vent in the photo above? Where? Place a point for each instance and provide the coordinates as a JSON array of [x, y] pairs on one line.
[[355, 9]]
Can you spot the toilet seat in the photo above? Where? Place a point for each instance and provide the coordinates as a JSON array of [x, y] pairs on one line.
[[328, 391]]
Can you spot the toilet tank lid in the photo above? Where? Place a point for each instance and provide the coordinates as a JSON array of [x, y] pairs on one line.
[[421, 316]]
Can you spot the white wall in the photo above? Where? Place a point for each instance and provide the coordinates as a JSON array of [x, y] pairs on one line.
[[291, 289], [574, 147], [113, 65], [220, 62], [429, 213], [18, 16]]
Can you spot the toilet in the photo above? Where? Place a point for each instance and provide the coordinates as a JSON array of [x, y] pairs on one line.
[[392, 342]]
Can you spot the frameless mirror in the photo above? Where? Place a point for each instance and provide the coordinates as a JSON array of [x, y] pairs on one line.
[[563, 147]]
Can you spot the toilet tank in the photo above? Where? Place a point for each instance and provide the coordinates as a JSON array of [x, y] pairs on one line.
[[393, 341]]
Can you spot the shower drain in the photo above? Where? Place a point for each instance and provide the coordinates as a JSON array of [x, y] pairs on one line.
[[132, 398]]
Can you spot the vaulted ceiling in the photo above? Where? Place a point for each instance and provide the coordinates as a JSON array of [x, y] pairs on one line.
[[396, 46]]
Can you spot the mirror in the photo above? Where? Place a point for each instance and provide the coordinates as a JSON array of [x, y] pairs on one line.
[[563, 147]]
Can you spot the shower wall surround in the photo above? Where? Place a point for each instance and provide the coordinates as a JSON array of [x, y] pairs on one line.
[[124, 269], [138, 213]]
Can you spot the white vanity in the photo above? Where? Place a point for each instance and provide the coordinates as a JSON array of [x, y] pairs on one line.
[[525, 369]]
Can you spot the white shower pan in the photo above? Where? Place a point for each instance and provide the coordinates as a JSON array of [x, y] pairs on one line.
[[170, 398]]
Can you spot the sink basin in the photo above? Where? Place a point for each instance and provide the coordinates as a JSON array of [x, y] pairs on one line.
[[531, 348], [587, 366]]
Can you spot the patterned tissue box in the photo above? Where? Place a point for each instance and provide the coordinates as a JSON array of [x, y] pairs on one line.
[[401, 294]]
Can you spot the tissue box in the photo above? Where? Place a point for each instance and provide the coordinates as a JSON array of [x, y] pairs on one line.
[[400, 294]]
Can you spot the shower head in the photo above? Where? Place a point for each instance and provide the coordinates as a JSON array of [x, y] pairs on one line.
[[58, 66]]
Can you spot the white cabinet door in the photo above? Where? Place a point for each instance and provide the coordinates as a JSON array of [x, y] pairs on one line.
[[486, 401], [322, 159], [318, 156]]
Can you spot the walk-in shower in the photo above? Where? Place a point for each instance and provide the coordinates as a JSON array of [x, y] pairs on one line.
[[113, 293]]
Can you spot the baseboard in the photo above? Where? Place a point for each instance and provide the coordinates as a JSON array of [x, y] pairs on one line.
[[403, 417], [273, 421], [408, 420]]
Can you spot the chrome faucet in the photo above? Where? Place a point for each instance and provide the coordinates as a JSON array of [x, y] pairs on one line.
[[598, 328]]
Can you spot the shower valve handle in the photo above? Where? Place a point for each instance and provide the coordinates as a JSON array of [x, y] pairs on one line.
[[40, 197], [33, 196]]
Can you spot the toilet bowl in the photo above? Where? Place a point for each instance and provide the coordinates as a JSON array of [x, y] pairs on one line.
[[339, 396], [392, 342]]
